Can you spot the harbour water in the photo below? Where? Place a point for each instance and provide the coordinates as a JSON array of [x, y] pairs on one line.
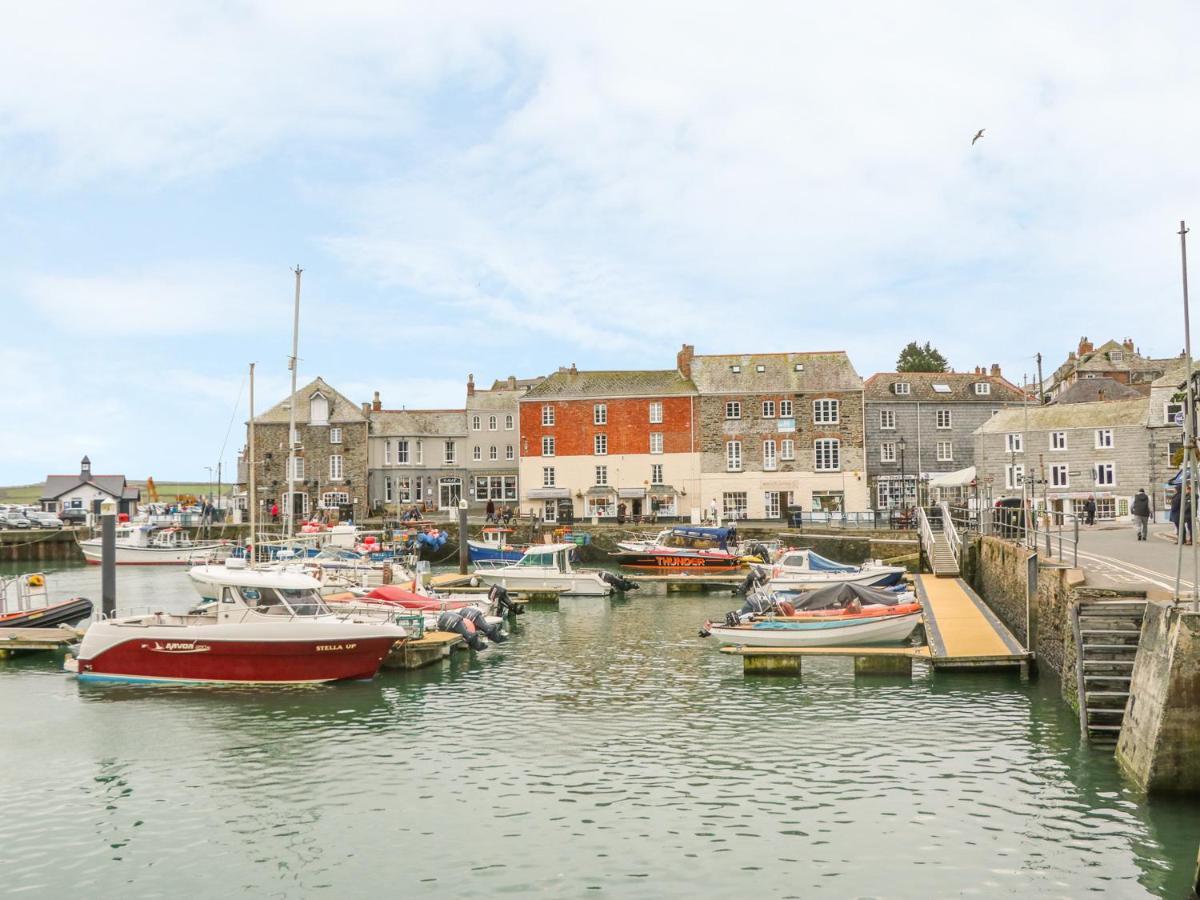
[[604, 750]]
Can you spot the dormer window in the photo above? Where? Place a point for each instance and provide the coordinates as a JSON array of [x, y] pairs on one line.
[[736, 370], [1116, 355], [318, 410], [982, 388], [799, 367], [902, 388], [760, 368]]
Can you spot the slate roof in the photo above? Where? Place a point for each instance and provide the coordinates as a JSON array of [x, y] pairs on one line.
[[822, 372], [113, 485], [419, 422], [632, 383], [1106, 414], [1088, 390], [341, 408], [497, 398], [1097, 360], [962, 387]]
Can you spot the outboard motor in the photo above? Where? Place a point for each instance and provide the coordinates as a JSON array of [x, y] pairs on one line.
[[451, 621], [475, 616], [618, 582], [498, 597], [754, 579]]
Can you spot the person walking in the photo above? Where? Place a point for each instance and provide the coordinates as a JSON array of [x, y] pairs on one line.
[[1186, 522], [1176, 508], [712, 512], [490, 509], [1089, 511], [274, 512], [1141, 513], [621, 513]]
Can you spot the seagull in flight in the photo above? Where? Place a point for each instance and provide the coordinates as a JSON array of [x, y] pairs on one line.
[[978, 135]]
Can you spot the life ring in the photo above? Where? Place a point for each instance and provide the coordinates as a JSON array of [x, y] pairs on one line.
[[36, 581]]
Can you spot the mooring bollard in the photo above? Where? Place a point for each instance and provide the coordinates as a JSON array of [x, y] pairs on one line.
[[108, 558]]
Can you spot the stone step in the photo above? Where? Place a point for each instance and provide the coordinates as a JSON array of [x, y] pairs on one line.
[[1109, 647], [1107, 695], [1107, 663], [1123, 678], [1125, 631], [1106, 710]]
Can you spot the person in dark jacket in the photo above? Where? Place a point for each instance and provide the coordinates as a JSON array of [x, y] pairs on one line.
[[490, 509], [1141, 513], [1089, 511]]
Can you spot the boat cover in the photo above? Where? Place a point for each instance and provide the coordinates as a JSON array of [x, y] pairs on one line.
[[721, 535], [818, 563], [836, 596]]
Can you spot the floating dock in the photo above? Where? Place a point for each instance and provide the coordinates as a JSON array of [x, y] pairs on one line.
[[13, 640], [962, 633], [425, 651]]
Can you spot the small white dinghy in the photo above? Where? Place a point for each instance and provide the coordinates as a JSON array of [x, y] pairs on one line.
[[846, 632]]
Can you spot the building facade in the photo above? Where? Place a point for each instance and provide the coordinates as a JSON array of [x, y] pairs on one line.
[[1164, 419], [416, 458], [1058, 456], [778, 430], [493, 430], [596, 443], [330, 477], [87, 491], [922, 424], [1119, 360]]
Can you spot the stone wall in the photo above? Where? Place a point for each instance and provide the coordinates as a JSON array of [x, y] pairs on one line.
[[997, 570]]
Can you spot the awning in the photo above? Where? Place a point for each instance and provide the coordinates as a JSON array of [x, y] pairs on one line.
[[599, 491], [662, 490], [632, 493], [550, 493], [961, 478]]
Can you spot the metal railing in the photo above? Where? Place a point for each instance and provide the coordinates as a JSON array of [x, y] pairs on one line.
[[925, 530], [950, 529], [1035, 529]]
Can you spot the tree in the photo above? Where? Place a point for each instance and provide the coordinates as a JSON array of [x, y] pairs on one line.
[[915, 358]]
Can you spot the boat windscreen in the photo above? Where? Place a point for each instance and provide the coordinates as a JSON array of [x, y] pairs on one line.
[[304, 602]]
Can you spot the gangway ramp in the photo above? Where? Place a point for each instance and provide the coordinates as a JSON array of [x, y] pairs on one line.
[[962, 631]]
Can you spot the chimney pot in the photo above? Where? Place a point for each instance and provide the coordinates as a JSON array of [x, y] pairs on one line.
[[366, 408], [996, 370], [512, 382], [683, 360], [1085, 346]]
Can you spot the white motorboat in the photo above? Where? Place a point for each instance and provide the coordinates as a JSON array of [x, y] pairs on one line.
[[548, 568], [803, 570], [645, 542], [149, 545], [265, 628], [849, 631]]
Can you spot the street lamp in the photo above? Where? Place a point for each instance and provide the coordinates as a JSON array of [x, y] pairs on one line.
[[901, 443]]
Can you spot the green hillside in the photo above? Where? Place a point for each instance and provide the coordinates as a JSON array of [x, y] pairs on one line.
[[28, 494]]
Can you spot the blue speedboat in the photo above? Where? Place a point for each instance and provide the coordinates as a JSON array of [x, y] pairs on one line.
[[494, 546]]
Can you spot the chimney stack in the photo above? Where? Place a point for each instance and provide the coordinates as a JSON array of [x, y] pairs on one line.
[[471, 385], [995, 370], [1085, 346], [1128, 345], [1100, 394], [376, 404], [512, 382], [683, 360], [573, 369], [366, 408]]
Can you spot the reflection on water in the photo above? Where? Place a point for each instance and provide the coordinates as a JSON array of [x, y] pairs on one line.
[[604, 747]]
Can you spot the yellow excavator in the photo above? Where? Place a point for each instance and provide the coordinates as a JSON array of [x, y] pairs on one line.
[[151, 490]]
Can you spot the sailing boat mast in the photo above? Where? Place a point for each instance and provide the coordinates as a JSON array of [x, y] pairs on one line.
[[1188, 481], [289, 509], [251, 465]]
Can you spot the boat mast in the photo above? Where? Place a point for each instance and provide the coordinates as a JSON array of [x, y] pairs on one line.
[[1188, 481], [290, 506], [250, 467]]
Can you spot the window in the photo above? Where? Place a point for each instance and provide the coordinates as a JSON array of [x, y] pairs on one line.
[[600, 444], [388, 496], [335, 435], [827, 454], [547, 446], [548, 476], [475, 453], [387, 453], [296, 439], [449, 453], [760, 369], [510, 487], [733, 410], [1106, 474], [601, 475], [474, 423], [768, 409], [491, 423], [547, 414], [983, 388], [887, 419], [419, 455], [902, 388], [403, 490], [1116, 355], [941, 389], [771, 504], [735, 369], [942, 418], [656, 443], [600, 414], [402, 453], [334, 500], [656, 473], [769, 458], [1170, 411], [825, 412], [508, 423], [655, 412], [297, 468], [733, 456], [733, 505], [1014, 476], [550, 510], [1104, 438], [318, 410], [1060, 476], [492, 454], [508, 452], [787, 449], [1058, 440], [335, 468], [887, 452], [1013, 443], [785, 409], [945, 451]]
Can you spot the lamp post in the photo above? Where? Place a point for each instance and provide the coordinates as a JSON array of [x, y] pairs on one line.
[[901, 443]]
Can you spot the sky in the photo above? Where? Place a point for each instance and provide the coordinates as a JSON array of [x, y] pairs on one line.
[[502, 189]]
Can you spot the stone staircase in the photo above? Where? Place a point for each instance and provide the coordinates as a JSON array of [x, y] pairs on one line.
[[941, 557], [1106, 642]]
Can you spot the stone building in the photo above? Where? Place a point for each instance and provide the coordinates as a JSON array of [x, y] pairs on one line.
[[921, 424], [87, 491], [416, 457], [330, 478], [777, 430], [1164, 419], [592, 441], [493, 424], [1121, 361], [1063, 454]]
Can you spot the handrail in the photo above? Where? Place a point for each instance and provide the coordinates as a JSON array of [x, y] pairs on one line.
[[951, 531], [925, 531]]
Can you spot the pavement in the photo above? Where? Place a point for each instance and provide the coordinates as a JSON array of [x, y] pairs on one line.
[[1112, 556]]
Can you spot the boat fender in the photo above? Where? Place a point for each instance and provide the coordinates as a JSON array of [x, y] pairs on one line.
[[786, 609], [36, 581]]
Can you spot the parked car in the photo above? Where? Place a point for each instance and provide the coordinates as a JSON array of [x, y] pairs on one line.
[[44, 519], [14, 520], [74, 516]]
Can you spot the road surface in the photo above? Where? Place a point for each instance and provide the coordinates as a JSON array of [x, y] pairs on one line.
[[1112, 556]]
